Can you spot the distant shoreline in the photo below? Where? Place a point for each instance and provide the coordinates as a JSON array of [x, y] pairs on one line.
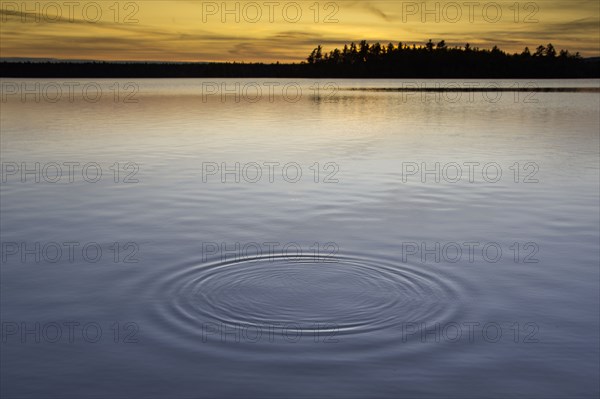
[[115, 70]]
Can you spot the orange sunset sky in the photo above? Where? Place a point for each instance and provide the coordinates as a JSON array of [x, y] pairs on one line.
[[269, 31]]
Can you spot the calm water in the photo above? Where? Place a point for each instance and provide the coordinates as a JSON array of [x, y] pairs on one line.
[[381, 244]]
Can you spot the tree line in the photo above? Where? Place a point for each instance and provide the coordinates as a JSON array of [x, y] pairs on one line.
[[377, 53], [440, 60], [362, 60]]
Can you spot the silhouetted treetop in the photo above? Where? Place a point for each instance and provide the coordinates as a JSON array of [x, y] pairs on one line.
[[366, 52], [439, 60]]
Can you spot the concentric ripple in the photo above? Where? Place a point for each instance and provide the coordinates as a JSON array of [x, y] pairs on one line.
[[352, 295]]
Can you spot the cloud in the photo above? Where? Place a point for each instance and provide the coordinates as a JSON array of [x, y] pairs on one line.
[[369, 6], [574, 26]]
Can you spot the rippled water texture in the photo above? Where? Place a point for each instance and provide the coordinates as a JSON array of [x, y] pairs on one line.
[[348, 295], [356, 278]]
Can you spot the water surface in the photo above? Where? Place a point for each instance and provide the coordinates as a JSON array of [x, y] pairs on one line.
[[353, 281]]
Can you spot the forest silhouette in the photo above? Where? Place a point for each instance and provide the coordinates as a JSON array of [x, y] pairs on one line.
[[437, 60], [362, 60]]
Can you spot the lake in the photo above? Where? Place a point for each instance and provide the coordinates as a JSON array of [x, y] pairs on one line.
[[300, 238]]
